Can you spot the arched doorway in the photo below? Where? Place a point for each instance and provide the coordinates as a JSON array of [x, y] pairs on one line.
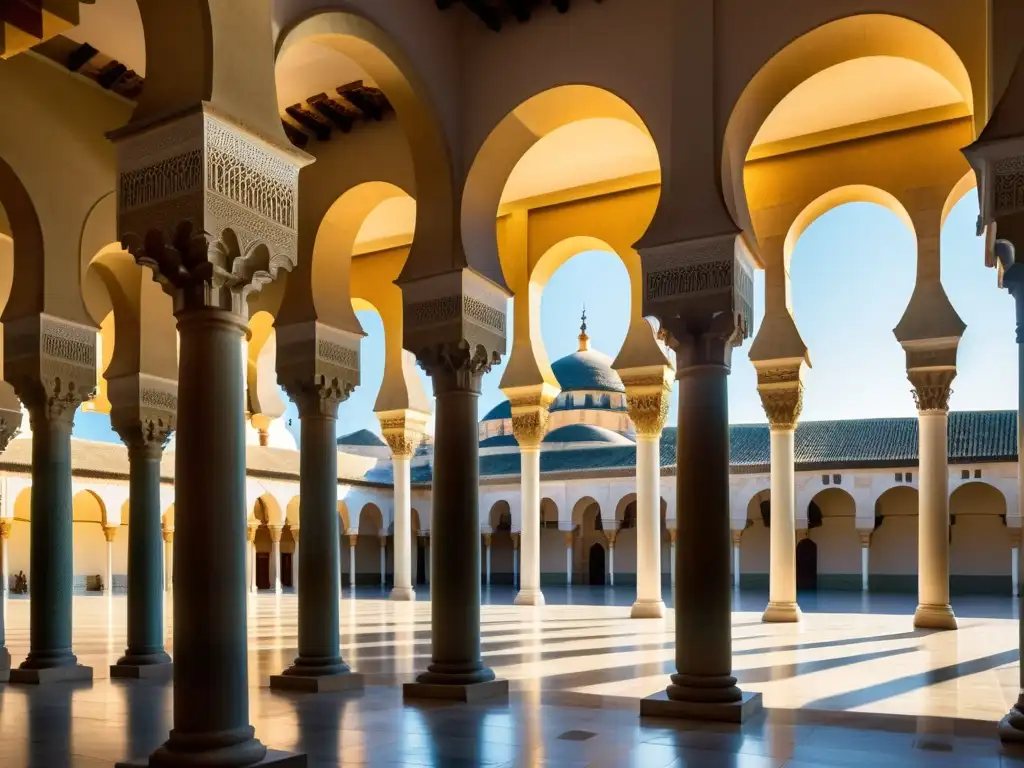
[[806, 565], [597, 567]]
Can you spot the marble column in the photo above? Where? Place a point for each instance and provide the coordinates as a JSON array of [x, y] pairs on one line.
[[931, 392], [352, 541], [168, 536], [529, 568], [51, 390], [737, 538], [403, 430], [145, 656], [1015, 561], [456, 669], [250, 537], [515, 558], [110, 534], [7, 430], [383, 560], [703, 686], [5, 570], [610, 538], [672, 555], [319, 665], [865, 560], [487, 559], [647, 398], [295, 559], [569, 536], [780, 385], [275, 558], [428, 560]]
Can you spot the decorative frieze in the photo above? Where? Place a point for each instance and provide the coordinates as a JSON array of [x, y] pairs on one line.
[[931, 387], [209, 206], [403, 430]]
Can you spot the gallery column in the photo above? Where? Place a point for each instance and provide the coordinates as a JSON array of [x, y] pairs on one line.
[[110, 534], [51, 364], [647, 396], [569, 537], [318, 368], [487, 559], [353, 539], [780, 385], [865, 559], [403, 430], [145, 430], [275, 558], [168, 536], [250, 536], [702, 326], [931, 393], [5, 570], [10, 421], [610, 538], [213, 238]]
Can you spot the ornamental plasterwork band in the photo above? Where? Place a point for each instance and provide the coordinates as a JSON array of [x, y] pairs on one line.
[[932, 388], [708, 276], [403, 431], [51, 363], [647, 399], [143, 410], [317, 365], [782, 395], [215, 202]]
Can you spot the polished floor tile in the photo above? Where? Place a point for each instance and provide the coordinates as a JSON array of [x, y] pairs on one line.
[[852, 684]]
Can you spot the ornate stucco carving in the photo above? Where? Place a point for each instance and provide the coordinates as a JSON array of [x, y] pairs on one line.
[[648, 396], [932, 387], [5, 527], [530, 414], [691, 284], [143, 411], [51, 363], [403, 431], [317, 365], [208, 205], [781, 388], [110, 533]]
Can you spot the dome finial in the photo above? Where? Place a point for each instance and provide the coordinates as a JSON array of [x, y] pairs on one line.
[[584, 339]]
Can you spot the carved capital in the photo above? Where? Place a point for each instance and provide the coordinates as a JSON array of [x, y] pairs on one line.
[[781, 387], [456, 369], [250, 533], [383, 542], [6, 524], [403, 430], [695, 285], [865, 538], [51, 363], [110, 533], [454, 314], [515, 539], [570, 536], [648, 396], [143, 412], [1014, 537], [737, 537], [610, 536], [931, 387], [530, 414], [487, 539], [318, 366], [168, 537], [209, 206], [672, 535], [275, 532]]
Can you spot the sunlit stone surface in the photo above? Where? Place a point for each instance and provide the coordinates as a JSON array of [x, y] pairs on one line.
[[852, 685]]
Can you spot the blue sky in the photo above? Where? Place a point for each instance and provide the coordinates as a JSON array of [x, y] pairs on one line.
[[852, 273]]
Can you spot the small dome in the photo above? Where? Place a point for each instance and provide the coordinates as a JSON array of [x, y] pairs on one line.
[[587, 370], [586, 433], [502, 410], [499, 441], [362, 437]]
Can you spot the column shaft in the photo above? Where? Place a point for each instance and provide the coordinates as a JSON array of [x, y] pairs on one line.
[[352, 563], [211, 693], [568, 563], [168, 560], [703, 594], [782, 605], [108, 569], [865, 560], [252, 564], [933, 610], [611, 564], [403, 589], [529, 569], [145, 550], [736, 563], [295, 561], [648, 603], [487, 560], [1015, 570], [5, 574], [275, 561]]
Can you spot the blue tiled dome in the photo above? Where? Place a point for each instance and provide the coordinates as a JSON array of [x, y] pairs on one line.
[[587, 370], [586, 433], [502, 410]]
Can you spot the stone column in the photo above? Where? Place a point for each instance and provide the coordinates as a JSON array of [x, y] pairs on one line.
[[457, 669], [865, 559], [931, 393], [110, 534], [647, 397], [569, 536], [168, 536], [672, 554], [530, 416], [403, 430], [515, 558], [5, 571], [428, 560], [51, 364], [1015, 561], [9, 423], [317, 385], [610, 537], [353, 539], [737, 538], [295, 558], [383, 559], [780, 385], [702, 326], [211, 207], [487, 559], [275, 558], [250, 537], [145, 438]]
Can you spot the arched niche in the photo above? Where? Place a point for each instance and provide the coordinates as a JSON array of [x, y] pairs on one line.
[[893, 559], [980, 546], [837, 540]]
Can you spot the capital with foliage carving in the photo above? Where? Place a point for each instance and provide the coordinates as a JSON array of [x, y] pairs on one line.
[[781, 387], [6, 524], [648, 396], [932, 388], [318, 366], [865, 538], [530, 412], [143, 412], [403, 430]]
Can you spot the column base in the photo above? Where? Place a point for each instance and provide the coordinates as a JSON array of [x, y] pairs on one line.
[[274, 757], [403, 594], [529, 597], [660, 705], [162, 671], [345, 681], [469, 693], [934, 617], [69, 674], [781, 613], [647, 609]]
